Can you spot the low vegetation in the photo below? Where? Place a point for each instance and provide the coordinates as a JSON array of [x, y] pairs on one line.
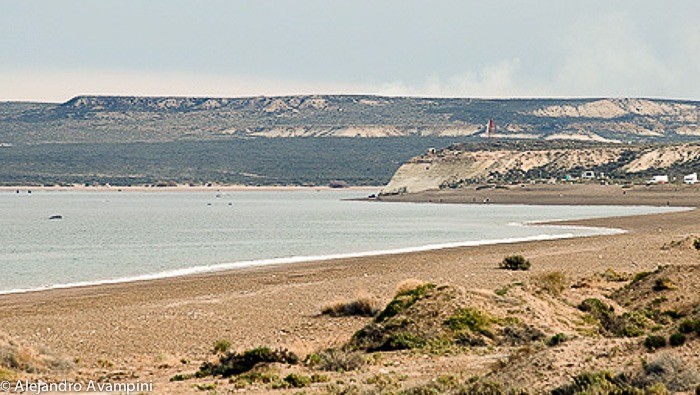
[[404, 299], [364, 306], [336, 360], [233, 363], [552, 283], [515, 262]]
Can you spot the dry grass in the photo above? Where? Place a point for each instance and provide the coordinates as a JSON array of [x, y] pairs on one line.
[[363, 306], [553, 283], [16, 357], [409, 285]]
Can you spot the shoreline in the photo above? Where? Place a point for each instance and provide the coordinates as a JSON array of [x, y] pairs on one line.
[[288, 263], [232, 267]]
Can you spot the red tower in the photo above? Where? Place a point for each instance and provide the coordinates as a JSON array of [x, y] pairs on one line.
[[490, 127]]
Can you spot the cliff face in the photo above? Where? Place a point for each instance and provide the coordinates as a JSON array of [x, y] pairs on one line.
[[455, 166]]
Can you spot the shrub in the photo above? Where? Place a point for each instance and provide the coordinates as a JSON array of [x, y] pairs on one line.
[[696, 244], [553, 283], [589, 383], [640, 276], [674, 373], [515, 262], [297, 380], [403, 300], [676, 339], [613, 276], [687, 326], [557, 339], [335, 360], [400, 341], [663, 284], [654, 342], [630, 324], [363, 306], [471, 319], [236, 363], [221, 346]]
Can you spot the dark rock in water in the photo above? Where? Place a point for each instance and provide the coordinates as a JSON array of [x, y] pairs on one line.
[[57, 216]]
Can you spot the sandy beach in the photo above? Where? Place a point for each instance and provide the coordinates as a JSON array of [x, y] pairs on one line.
[[145, 328]]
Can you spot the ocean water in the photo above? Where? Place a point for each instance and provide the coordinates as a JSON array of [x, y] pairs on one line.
[[107, 237]]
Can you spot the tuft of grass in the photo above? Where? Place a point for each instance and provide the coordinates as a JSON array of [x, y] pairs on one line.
[[663, 284], [296, 380], [364, 307], [233, 363], [654, 342], [400, 341], [470, 319], [557, 339], [553, 283], [408, 285], [640, 276], [515, 262], [613, 276], [221, 346], [403, 300], [245, 379], [336, 360]]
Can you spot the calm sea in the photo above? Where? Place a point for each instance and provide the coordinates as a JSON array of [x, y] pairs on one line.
[[108, 237]]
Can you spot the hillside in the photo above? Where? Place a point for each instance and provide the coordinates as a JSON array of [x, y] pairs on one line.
[[132, 119], [461, 164]]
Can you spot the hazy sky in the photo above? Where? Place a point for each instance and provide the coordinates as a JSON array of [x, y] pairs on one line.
[[54, 50]]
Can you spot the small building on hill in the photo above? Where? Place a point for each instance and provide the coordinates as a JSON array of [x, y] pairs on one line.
[[690, 179]]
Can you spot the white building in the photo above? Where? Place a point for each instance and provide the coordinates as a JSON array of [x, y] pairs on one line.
[[690, 178], [658, 180]]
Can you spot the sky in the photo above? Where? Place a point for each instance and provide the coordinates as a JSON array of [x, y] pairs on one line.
[[55, 50]]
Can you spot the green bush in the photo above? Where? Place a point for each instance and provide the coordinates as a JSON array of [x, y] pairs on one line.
[[221, 346], [297, 380], [686, 327], [663, 284], [676, 339], [401, 341], [471, 319], [557, 339], [696, 244], [654, 342], [236, 363], [515, 262]]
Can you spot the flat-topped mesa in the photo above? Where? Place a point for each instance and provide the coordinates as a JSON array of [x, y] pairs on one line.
[[454, 167], [96, 118]]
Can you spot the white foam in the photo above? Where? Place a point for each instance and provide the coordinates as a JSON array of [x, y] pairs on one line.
[[313, 258]]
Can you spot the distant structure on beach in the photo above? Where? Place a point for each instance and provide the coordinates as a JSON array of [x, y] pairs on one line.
[[658, 180], [690, 179]]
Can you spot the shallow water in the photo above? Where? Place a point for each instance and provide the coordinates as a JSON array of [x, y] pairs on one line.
[[121, 236]]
